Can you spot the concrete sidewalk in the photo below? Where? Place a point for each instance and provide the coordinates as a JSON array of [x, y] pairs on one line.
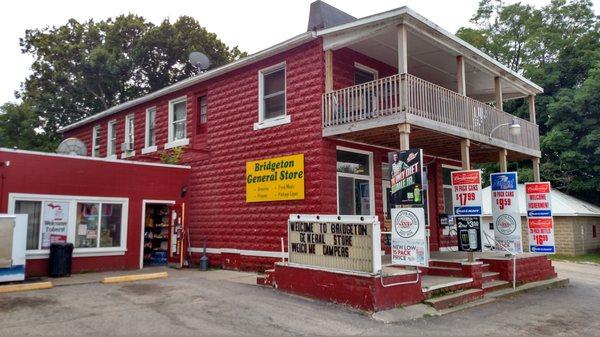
[[210, 275]]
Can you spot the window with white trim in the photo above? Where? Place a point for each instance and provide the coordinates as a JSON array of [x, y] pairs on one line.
[[203, 109], [96, 141], [354, 182], [447, 188], [177, 119], [92, 224], [111, 139], [129, 138], [150, 127], [272, 93]]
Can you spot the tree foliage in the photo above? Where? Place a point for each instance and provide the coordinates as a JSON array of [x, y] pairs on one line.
[[558, 47], [82, 68]]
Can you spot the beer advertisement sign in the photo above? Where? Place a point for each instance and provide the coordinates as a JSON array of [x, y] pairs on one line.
[[469, 233], [406, 177], [275, 179], [409, 240], [505, 211], [466, 192], [539, 218]]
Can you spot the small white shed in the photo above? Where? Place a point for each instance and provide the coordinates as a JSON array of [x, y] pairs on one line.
[[576, 222]]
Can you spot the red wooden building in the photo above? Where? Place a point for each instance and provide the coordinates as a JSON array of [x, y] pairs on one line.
[[346, 92]]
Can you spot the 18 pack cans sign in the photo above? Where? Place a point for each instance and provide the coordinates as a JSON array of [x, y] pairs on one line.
[[466, 192], [539, 217], [505, 211]]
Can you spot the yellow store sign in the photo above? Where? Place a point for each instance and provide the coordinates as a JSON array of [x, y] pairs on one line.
[[274, 179]]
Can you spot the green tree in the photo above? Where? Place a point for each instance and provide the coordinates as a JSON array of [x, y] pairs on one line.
[[82, 68], [19, 127], [558, 47]]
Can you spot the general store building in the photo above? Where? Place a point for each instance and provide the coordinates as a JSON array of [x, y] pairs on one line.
[[343, 94]]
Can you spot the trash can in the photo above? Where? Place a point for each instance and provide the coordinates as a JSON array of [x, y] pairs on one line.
[[61, 254]]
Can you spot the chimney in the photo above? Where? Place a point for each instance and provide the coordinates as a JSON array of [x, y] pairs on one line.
[[323, 15]]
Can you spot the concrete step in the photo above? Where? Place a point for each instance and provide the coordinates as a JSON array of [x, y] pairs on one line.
[[490, 276], [455, 299], [444, 271], [495, 285], [445, 263], [485, 267]]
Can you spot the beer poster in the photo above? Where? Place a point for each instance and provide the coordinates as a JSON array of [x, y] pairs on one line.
[[409, 242], [406, 177], [539, 218], [505, 211], [466, 192]]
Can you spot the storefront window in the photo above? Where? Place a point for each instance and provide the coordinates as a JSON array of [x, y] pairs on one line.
[[33, 209], [110, 229], [447, 179], [87, 225], [354, 183]]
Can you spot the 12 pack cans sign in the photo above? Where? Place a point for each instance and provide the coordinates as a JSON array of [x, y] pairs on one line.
[[505, 211], [466, 192], [409, 242], [539, 217]]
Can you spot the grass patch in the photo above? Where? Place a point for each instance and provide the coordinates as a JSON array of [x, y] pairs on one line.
[[589, 257]]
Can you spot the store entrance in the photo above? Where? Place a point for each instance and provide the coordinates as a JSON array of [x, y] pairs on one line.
[[156, 234]]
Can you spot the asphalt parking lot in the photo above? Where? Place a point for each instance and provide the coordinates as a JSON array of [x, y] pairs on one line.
[[192, 303]]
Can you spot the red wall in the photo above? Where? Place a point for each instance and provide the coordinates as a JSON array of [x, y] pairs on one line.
[[37, 173]]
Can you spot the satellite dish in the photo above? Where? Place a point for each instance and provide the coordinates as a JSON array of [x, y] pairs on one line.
[[199, 60], [72, 147]]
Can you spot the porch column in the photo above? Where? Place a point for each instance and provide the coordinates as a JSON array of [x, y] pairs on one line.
[[464, 154], [460, 75], [402, 50], [498, 91], [328, 70], [536, 169], [531, 103], [404, 130], [502, 160]]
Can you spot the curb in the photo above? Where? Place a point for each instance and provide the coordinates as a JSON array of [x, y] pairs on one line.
[[131, 278], [11, 288]]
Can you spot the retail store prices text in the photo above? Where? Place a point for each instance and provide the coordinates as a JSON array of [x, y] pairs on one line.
[[328, 239]]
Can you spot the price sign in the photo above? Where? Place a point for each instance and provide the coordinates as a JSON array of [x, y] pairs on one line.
[[539, 218], [466, 192], [505, 211]]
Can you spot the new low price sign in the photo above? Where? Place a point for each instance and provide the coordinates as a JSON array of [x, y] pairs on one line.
[[409, 242], [505, 211], [539, 217]]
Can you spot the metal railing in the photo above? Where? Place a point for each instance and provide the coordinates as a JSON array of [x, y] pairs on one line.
[[412, 95], [514, 257]]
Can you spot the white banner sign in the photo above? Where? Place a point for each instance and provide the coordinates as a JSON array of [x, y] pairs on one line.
[[466, 192], [505, 211], [56, 215], [539, 218], [409, 242]]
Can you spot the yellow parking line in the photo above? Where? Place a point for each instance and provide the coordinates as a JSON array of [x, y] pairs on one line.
[[25, 287], [137, 277]]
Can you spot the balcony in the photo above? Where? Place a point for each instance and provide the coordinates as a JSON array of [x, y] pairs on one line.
[[368, 113]]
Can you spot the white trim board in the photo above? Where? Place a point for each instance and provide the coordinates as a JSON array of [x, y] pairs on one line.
[[37, 153], [244, 252]]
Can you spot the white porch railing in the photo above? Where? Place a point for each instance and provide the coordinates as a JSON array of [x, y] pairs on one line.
[[411, 95]]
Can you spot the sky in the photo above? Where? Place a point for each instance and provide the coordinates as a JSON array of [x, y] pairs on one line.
[[252, 25]]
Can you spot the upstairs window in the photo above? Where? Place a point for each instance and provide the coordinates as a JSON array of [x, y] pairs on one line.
[[202, 110], [177, 119], [129, 134], [364, 74], [111, 144], [150, 128], [96, 141], [272, 93]]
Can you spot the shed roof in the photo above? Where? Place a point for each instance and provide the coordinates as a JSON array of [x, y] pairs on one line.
[[562, 204]]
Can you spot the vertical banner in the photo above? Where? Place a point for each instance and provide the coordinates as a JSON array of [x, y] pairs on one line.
[[505, 211], [406, 173], [409, 243], [539, 218], [466, 192], [56, 215]]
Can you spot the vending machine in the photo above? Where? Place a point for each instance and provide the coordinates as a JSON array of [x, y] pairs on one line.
[[13, 237]]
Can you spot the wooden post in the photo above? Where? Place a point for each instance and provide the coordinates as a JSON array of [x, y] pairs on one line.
[[464, 154], [502, 160], [531, 102], [328, 70], [460, 76], [404, 130], [498, 91], [402, 50], [536, 169]]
